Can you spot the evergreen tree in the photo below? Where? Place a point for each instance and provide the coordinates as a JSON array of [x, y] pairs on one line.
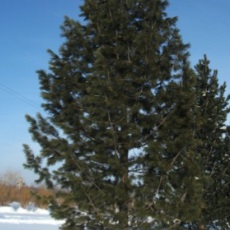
[[174, 167], [214, 133], [119, 138]]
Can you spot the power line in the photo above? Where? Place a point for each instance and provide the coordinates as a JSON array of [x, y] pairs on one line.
[[18, 96]]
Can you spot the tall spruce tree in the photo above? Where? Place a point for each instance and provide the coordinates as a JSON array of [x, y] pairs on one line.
[[119, 139], [214, 134]]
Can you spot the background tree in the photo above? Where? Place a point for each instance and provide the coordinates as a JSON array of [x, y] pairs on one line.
[[121, 120], [174, 167], [11, 178], [214, 133]]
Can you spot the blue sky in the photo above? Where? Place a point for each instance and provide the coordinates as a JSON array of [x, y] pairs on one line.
[[30, 27]]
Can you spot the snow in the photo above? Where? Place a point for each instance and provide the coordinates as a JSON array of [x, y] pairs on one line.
[[22, 219]]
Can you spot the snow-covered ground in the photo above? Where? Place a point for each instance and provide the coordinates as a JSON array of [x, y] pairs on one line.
[[22, 219]]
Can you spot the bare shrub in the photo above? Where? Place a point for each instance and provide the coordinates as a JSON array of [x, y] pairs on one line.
[[13, 189]]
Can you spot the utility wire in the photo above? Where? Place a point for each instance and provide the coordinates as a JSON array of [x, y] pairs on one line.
[[18, 96]]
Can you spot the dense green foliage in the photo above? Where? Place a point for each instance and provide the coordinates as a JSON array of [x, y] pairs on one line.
[[126, 137], [214, 149]]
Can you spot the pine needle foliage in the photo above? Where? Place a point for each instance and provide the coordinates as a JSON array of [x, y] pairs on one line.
[[213, 104], [119, 137]]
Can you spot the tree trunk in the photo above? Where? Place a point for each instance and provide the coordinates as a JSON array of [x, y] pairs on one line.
[[124, 200]]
